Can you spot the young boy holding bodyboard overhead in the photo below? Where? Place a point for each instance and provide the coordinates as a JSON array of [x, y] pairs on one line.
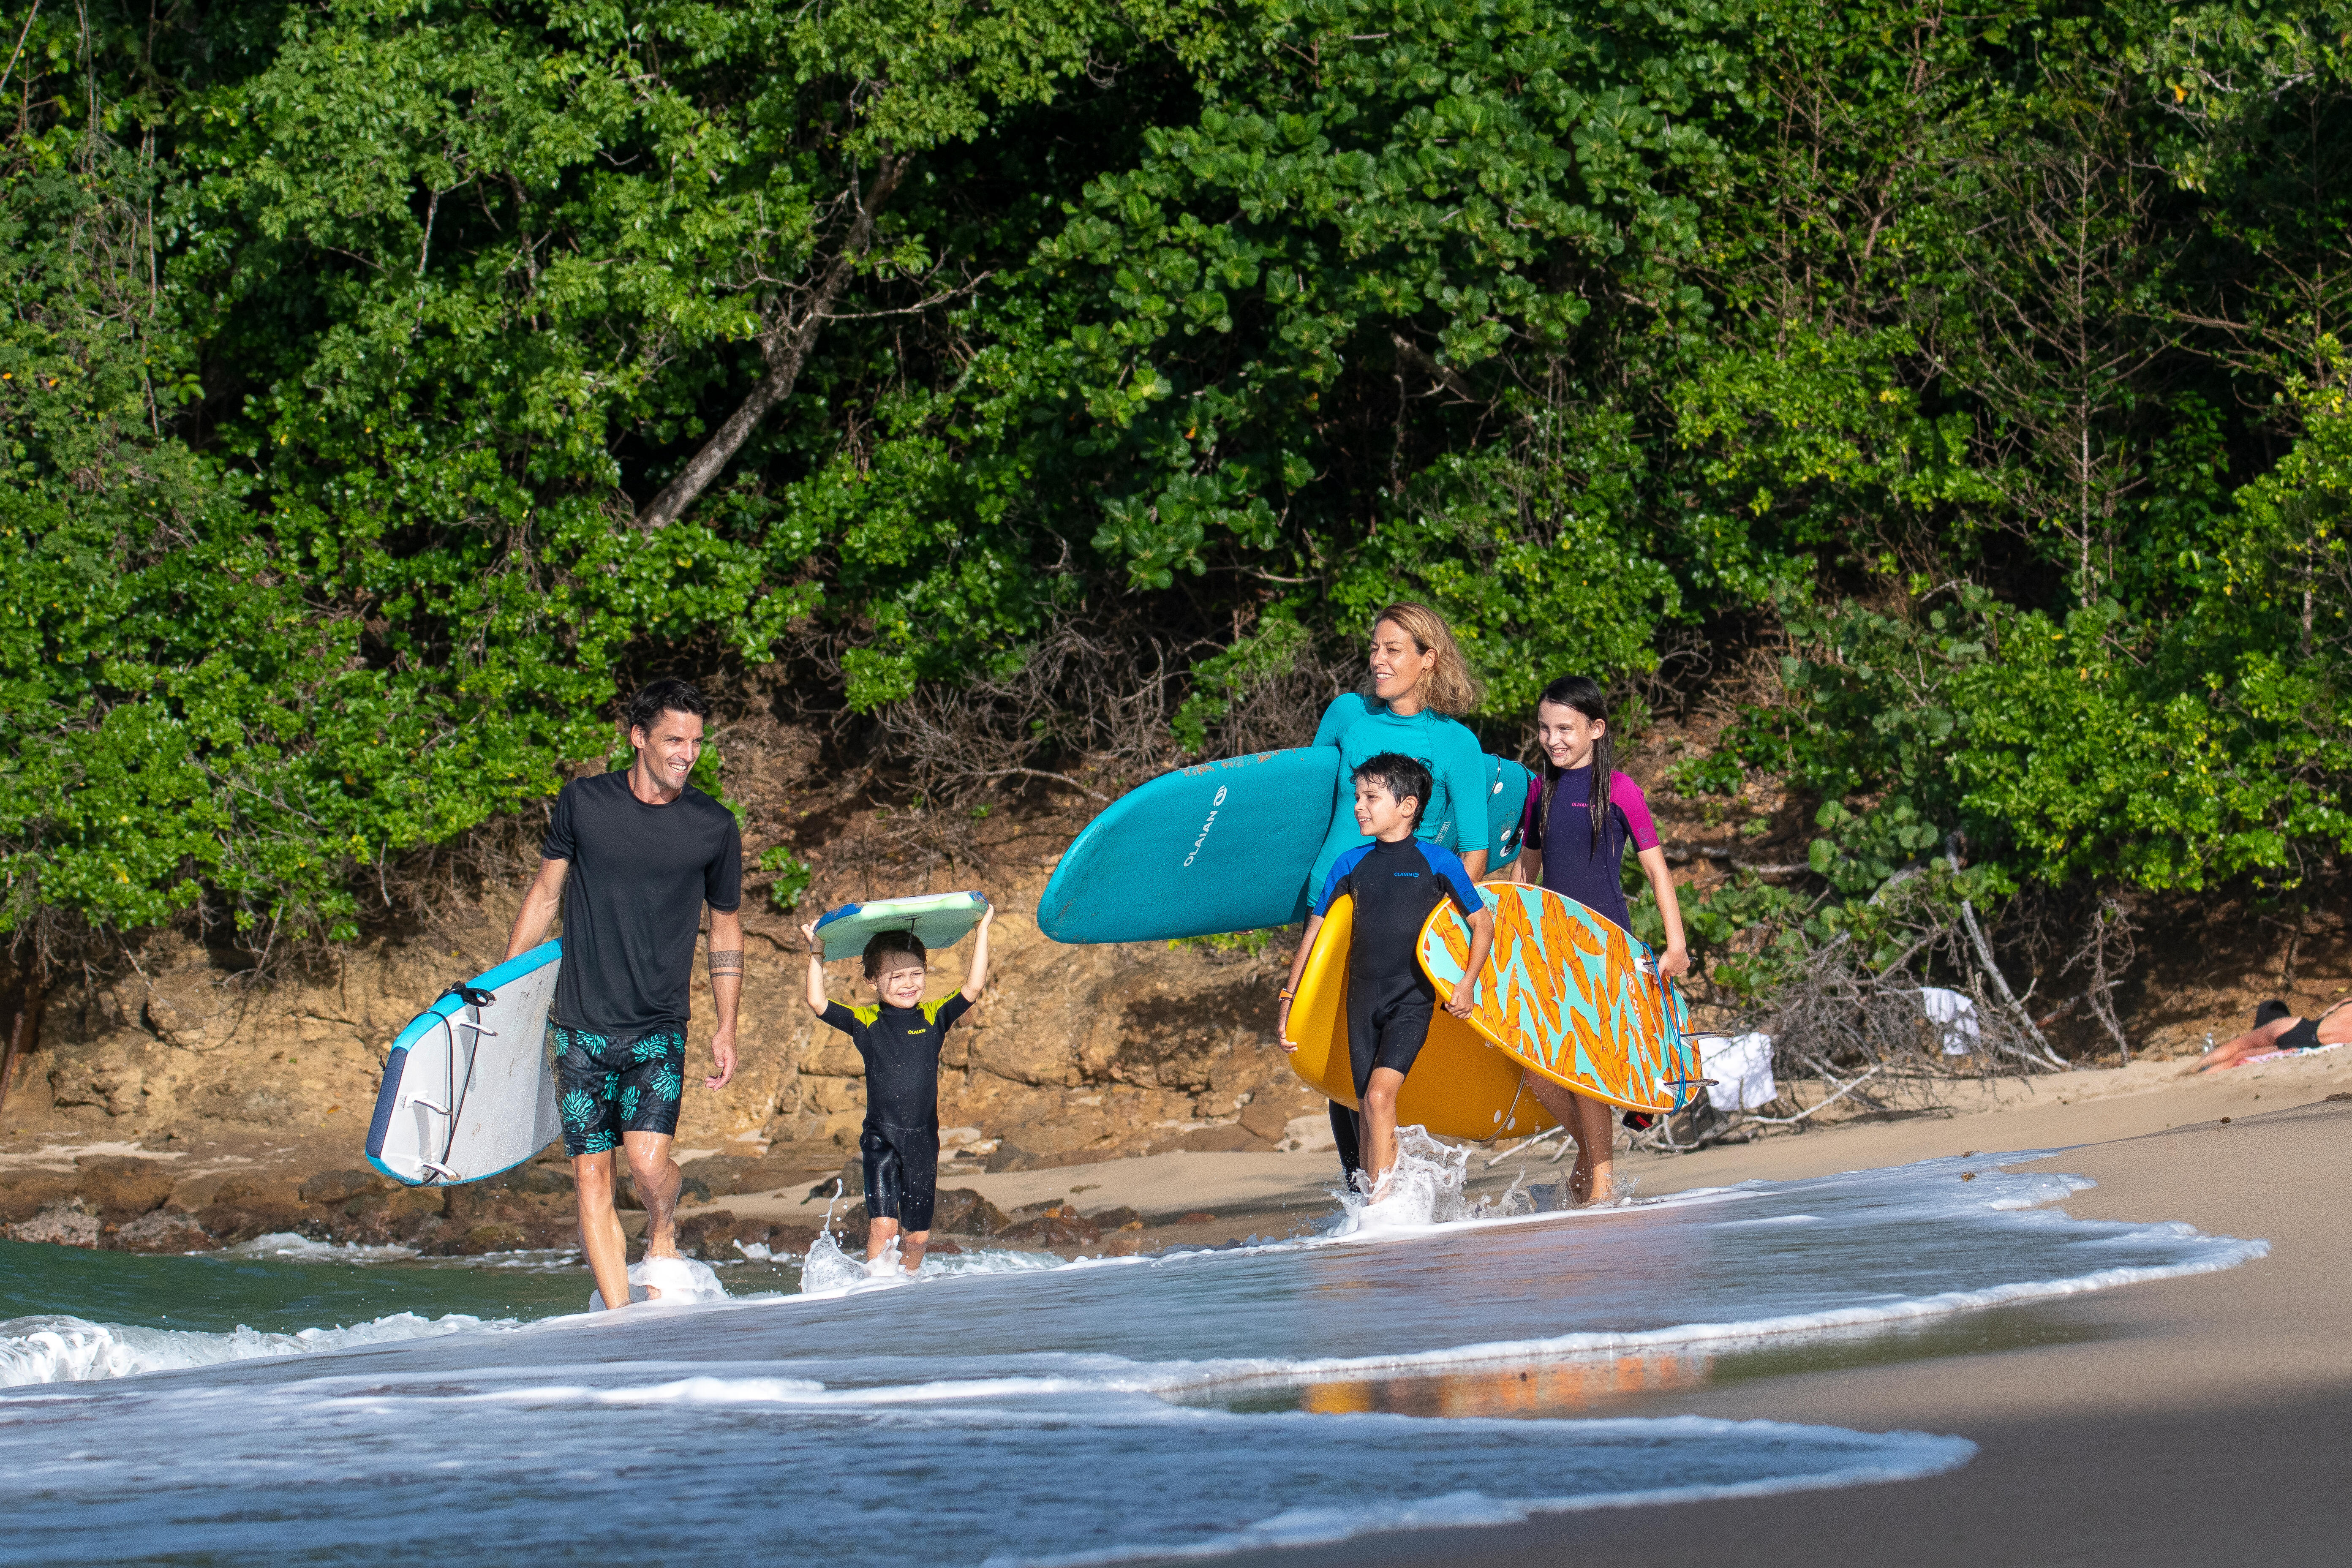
[[1395, 880], [900, 1038]]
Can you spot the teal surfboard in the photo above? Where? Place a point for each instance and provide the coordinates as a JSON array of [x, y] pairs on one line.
[[938, 921], [1222, 847]]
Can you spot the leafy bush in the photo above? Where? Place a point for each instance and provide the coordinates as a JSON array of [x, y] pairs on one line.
[[383, 388], [791, 877]]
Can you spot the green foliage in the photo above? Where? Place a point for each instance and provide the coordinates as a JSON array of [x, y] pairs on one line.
[[1439, 187], [2168, 754], [792, 873], [1270, 650], [1982, 367], [1229, 945], [1533, 556]]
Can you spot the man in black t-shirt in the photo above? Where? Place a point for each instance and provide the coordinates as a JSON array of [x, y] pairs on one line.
[[899, 1038], [631, 858]]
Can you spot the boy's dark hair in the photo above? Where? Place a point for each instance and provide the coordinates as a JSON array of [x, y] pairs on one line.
[[884, 942], [656, 698], [1401, 776]]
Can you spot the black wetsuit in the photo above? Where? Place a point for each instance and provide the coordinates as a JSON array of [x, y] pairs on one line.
[[900, 1140], [1389, 1000]]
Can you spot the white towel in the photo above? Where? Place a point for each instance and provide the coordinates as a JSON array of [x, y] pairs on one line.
[[1955, 1015], [1741, 1068]]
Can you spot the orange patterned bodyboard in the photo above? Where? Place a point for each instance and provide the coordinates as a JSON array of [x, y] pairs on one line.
[[1572, 996], [1460, 1086]]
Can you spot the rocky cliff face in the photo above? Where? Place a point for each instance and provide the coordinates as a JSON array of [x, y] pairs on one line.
[[1077, 1053]]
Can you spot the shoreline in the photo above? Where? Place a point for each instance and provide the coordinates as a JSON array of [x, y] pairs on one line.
[[2190, 1420], [1268, 1191], [1238, 1195]]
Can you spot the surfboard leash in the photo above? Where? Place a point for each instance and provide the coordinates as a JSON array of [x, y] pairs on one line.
[[476, 998], [1509, 1115]]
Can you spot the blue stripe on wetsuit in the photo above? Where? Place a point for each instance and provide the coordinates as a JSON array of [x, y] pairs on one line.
[[1441, 861]]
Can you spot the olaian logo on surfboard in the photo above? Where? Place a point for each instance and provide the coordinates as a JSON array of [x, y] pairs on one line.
[[1215, 803]]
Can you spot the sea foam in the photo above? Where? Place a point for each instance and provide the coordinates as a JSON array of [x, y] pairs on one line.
[[71, 1350], [1453, 1363]]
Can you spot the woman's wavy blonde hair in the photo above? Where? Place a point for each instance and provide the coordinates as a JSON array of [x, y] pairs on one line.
[[1453, 689]]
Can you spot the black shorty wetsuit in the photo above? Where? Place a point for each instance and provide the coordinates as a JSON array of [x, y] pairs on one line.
[[900, 1140], [1389, 1000]]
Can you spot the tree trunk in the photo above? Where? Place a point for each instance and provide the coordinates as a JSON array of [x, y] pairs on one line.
[[23, 1033], [786, 350]]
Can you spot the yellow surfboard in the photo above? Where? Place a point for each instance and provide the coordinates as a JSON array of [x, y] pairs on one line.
[[1572, 996], [1460, 1085]]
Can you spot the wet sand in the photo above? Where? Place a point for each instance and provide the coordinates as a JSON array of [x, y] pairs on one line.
[[1276, 1193], [2205, 1420]]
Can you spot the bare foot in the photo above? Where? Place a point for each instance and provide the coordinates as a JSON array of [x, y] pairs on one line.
[[651, 1292]]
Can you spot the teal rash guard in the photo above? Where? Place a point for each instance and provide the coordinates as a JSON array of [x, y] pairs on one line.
[[1453, 818]]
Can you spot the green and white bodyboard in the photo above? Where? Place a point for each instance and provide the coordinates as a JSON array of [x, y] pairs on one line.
[[938, 921]]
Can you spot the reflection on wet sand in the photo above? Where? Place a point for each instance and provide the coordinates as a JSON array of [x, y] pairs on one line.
[[1548, 1388]]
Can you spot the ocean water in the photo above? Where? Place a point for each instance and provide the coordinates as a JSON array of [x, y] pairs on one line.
[[293, 1403]]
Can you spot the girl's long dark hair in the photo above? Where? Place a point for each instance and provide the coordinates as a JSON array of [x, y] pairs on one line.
[[1584, 695]]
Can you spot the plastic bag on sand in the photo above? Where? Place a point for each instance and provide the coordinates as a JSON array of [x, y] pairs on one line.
[[677, 1279], [1741, 1068]]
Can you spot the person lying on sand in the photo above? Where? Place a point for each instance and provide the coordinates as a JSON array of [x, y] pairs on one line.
[[2276, 1029]]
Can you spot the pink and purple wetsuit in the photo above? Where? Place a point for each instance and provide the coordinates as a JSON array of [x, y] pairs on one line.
[[1570, 866]]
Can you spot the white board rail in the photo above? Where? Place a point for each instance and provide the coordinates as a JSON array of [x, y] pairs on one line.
[[468, 1088]]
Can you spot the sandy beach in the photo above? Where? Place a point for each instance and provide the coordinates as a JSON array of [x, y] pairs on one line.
[[2195, 1419], [2199, 1420], [1276, 1193]]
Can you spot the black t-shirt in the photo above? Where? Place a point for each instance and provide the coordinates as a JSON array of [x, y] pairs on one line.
[[901, 1049], [633, 904]]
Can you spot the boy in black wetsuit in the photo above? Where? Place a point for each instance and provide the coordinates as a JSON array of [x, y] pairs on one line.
[[900, 1038], [1396, 880]]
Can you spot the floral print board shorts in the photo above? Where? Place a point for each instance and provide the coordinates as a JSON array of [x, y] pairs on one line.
[[603, 1089]]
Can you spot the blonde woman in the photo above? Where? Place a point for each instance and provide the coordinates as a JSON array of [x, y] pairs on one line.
[[1415, 681]]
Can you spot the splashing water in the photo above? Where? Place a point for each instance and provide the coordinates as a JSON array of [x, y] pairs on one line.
[[61, 1349], [1422, 1189], [680, 1280], [1426, 1189], [1451, 1369], [827, 1269]]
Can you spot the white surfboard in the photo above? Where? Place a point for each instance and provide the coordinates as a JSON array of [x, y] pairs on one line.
[[469, 1088], [938, 921]]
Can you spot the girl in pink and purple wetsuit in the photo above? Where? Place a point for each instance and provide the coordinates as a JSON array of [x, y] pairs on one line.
[[1575, 847]]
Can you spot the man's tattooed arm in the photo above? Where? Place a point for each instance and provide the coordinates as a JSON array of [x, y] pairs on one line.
[[726, 990]]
